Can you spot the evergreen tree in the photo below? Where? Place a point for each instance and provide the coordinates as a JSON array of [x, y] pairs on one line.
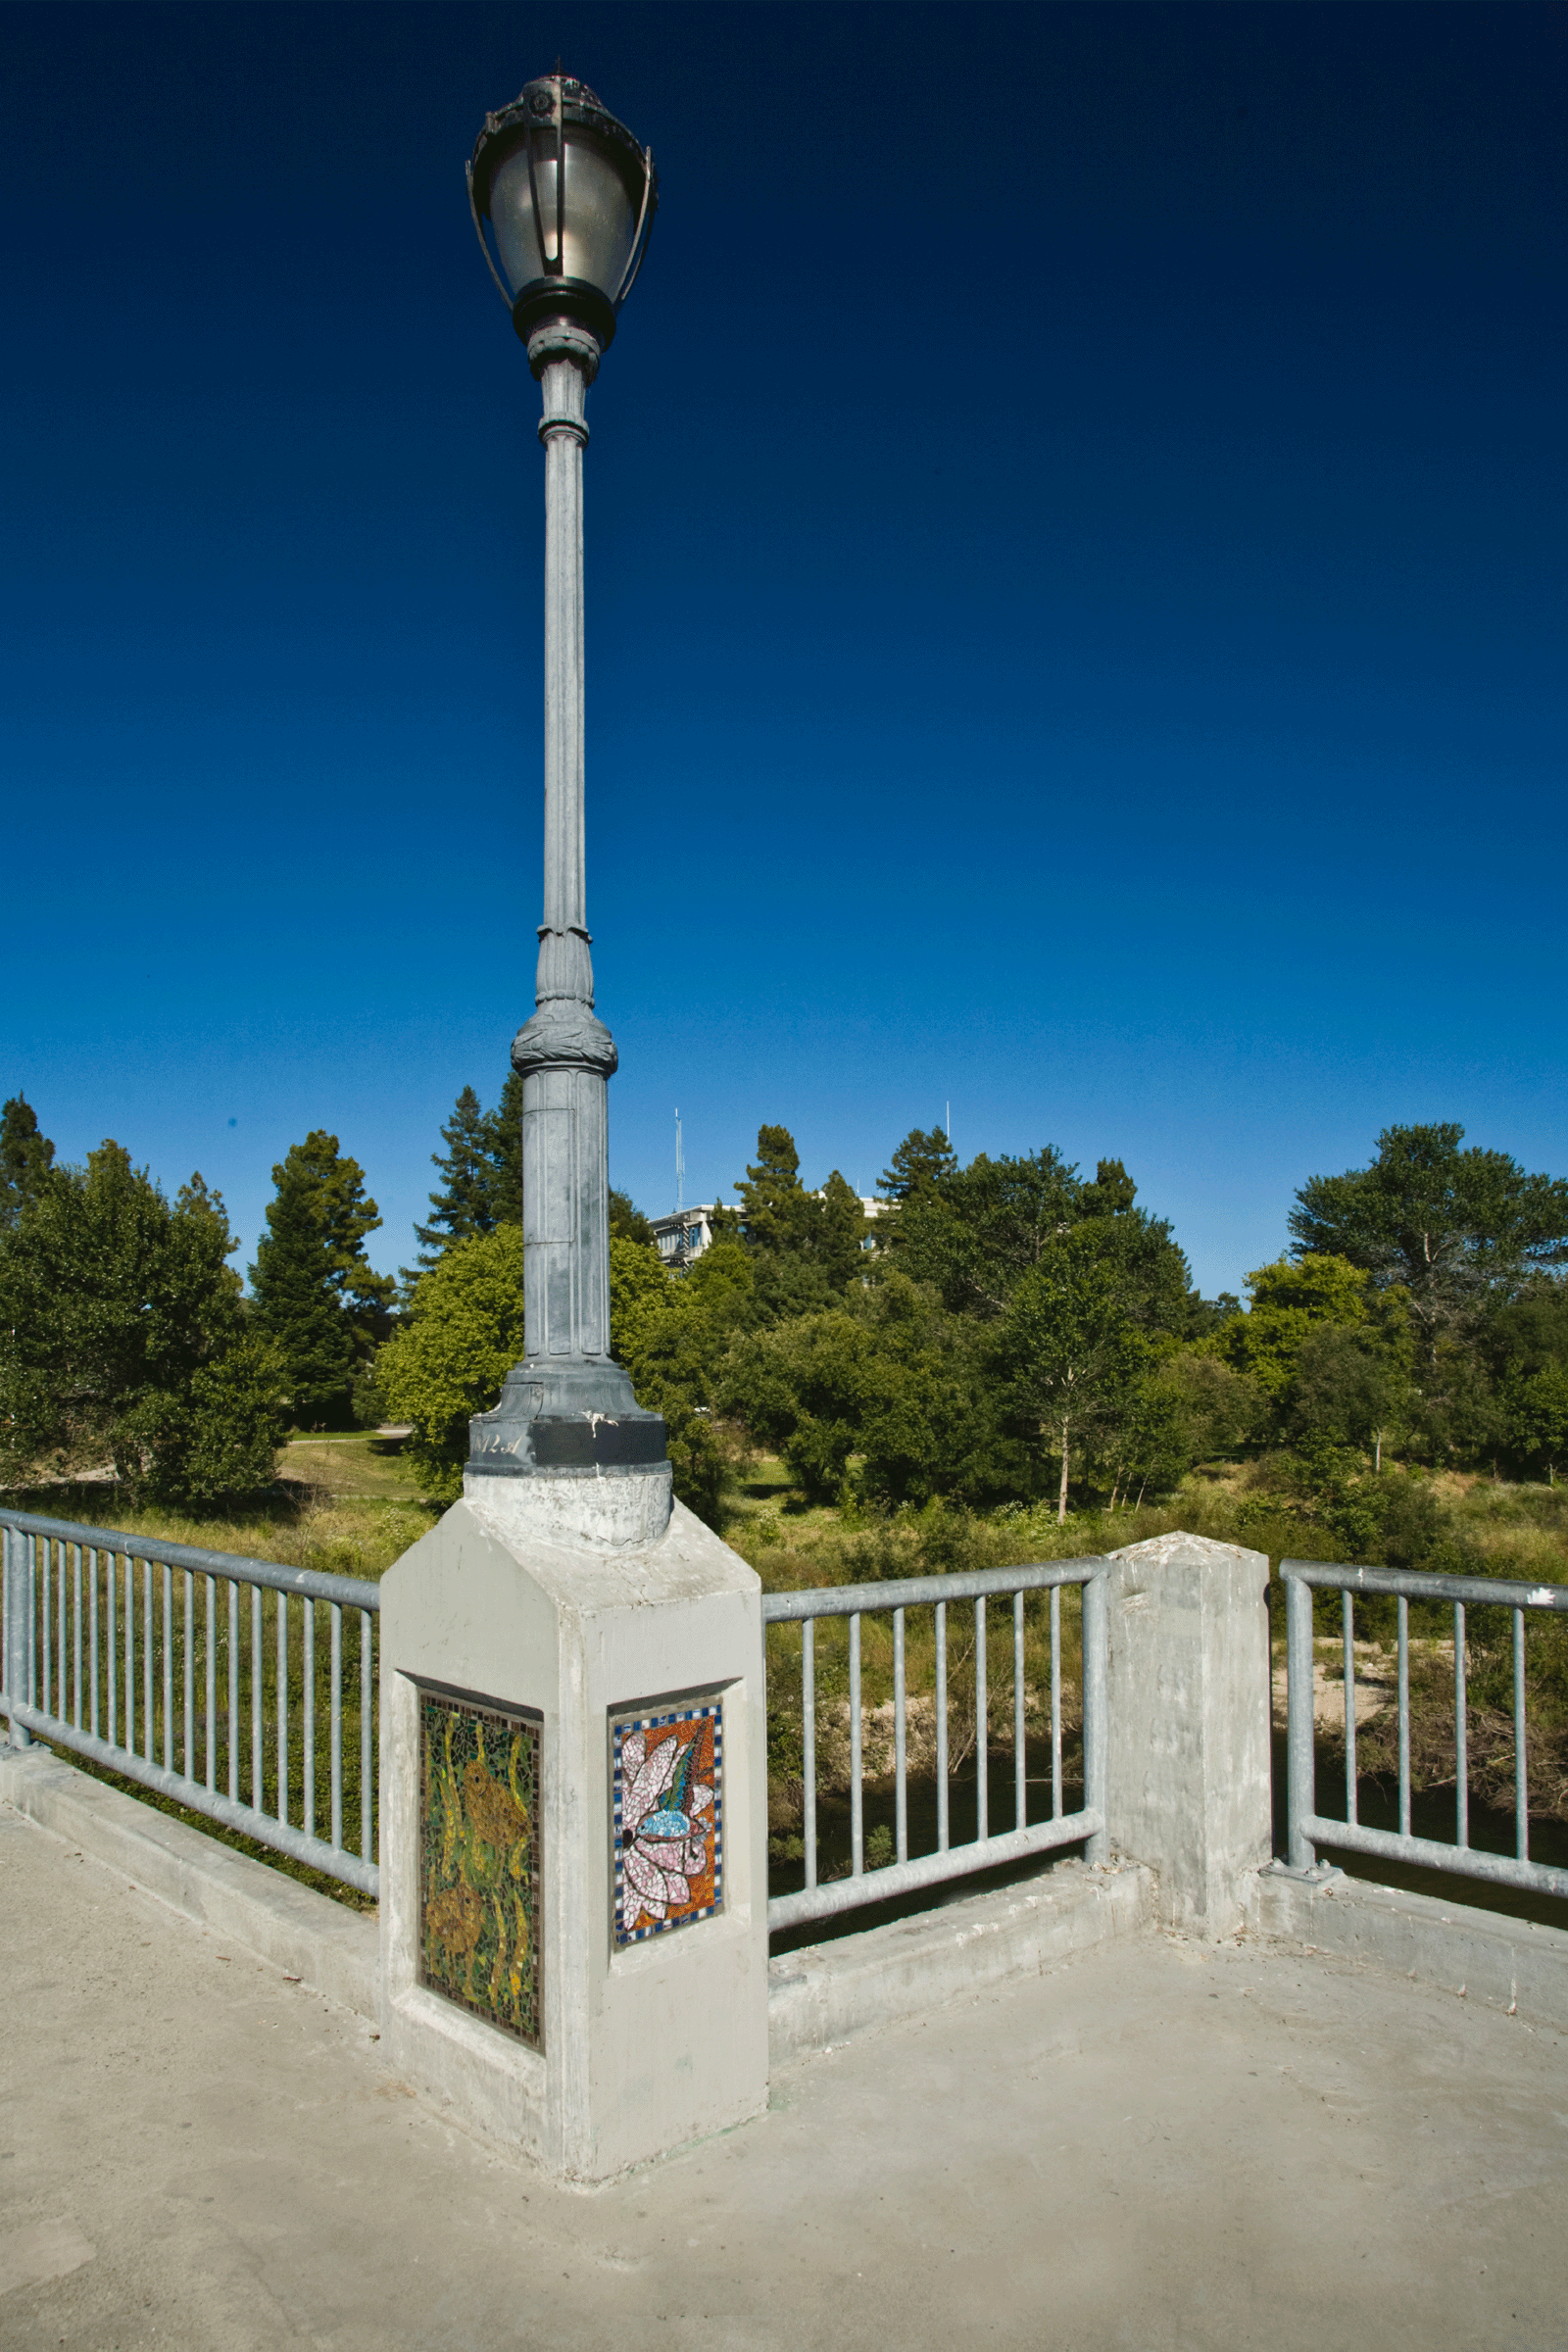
[[315, 1291], [482, 1169], [626, 1220], [25, 1159], [1458, 1231], [804, 1247], [922, 1165], [122, 1331]]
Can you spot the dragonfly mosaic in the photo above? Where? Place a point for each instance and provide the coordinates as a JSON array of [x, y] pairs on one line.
[[668, 1829]]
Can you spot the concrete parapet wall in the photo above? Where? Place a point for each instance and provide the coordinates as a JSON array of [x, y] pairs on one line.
[[1509, 1963], [307, 1934], [829, 1992]]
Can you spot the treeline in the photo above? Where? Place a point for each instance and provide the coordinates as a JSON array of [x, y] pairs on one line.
[[126, 1336], [1009, 1331], [1014, 1330]]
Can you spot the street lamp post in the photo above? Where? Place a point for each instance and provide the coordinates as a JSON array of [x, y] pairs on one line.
[[566, 1645], [569, 198]]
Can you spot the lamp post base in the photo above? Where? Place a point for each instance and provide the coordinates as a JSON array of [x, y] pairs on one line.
[[570, 1456]]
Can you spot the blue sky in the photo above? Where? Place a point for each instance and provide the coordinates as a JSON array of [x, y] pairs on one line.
[[1075, 590]]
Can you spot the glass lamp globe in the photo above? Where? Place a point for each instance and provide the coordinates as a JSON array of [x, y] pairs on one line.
[[569, 198]]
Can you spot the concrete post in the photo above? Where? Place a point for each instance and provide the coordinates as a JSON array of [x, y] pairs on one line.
[[573, 1834], [1187, 1771]]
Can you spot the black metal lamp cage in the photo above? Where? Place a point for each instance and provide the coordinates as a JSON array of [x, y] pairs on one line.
[[569, 198]]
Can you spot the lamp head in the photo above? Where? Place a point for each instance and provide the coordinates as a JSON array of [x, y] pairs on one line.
[[569, 198]]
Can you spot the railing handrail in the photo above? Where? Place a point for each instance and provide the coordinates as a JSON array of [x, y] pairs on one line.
[[1419, 1584], [1307, 1827], [918, 1592], [908, 1873], [350, 1592]]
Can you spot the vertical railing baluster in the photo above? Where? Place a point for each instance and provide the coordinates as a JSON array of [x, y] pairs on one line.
[[1097, 1730], [1302, 1799], [129, 1741], [808, 1740], [981, 1713], [92, 1642], [367, 1731], [1461, 1732], [233, 1688], [1521, 1767], [281, 1605], [1020, 1786], [63, 1698], [149, 1711], [190, 1674], [75, 1646], [308, 1718], [112, 1596], [211, 1691], [942, 1725], [337, 1726], [900, 1798], [257, 1779], [33, 1624], [1404, 1717], [168, 1668], [856, 1795], [1347, 1622], [1055, 1702], [46, 1612]]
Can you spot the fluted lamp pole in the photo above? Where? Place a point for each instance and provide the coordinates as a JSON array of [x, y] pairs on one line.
[[568, 198]]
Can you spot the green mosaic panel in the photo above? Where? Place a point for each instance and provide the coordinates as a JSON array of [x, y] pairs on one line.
[[480, 1892]]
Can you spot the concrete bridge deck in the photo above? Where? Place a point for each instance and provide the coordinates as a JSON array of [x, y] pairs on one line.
[[1161, 2144]]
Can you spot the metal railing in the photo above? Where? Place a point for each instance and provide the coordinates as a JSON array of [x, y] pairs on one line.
[[92, 1664], [1310, 1828], [987, 1850]]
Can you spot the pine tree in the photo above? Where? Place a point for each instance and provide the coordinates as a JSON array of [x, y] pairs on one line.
[[919, 1165], [25, 1159], [482, 1169], [315, 1291]]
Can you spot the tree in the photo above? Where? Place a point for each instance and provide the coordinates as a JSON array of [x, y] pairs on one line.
[[25, 1159], [672, 1335], [122, 1332], [626, 1220], [315, 1290], [804, 1247], [1349, 1386], [975, 1234], [1069, 1349], [1456, 1230], [1537, 1405], [1289, 1302], [923, 1163], [482, 1172], [464, 1332]]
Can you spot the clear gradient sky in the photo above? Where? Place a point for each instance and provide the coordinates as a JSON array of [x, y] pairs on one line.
[[1075, 549]]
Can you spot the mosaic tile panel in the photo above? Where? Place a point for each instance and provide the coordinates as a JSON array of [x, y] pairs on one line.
[[666, 1818], [479, 1879]]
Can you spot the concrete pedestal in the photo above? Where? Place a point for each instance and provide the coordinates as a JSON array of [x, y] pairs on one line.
[[571, 1677], [1187, 1771]]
